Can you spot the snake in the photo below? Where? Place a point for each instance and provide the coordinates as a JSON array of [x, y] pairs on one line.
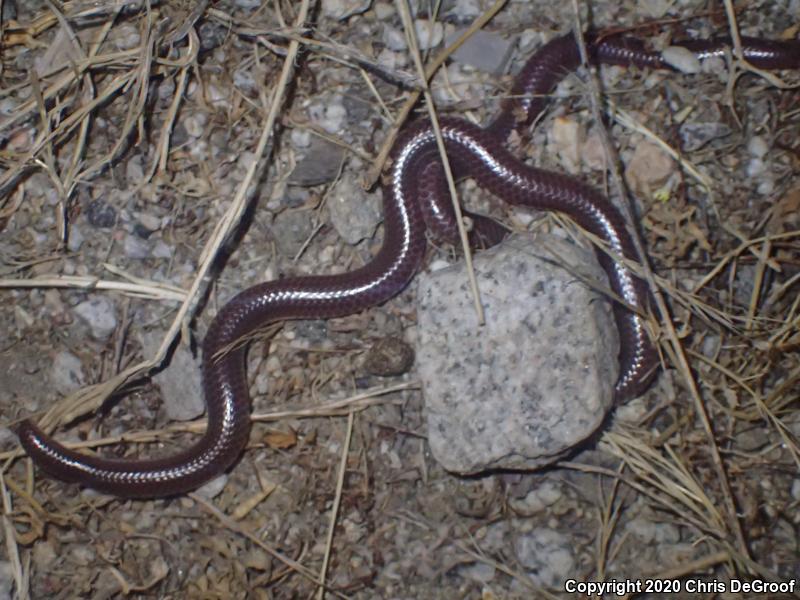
[[415, 200]]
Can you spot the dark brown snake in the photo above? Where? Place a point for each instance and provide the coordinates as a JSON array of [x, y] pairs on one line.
[[416, 195]]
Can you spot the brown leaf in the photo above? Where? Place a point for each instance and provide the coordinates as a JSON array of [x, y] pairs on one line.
[[280, 440]]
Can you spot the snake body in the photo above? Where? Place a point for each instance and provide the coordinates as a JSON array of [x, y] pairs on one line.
[[415, 197]]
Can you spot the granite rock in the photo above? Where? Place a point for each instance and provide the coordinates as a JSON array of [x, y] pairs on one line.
[[533, 382]]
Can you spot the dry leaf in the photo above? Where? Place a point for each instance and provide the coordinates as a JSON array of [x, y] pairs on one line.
[[280, 440]]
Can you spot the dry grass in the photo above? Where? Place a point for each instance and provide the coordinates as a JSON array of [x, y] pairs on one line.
[[683, 460]]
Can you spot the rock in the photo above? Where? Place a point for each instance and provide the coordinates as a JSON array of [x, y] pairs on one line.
[[44, 555], [593, 152], [66, 373], [479, 572], [758, 166], [537, 379], [484, 50], [211, 35], [656, 9], [135, 247], [354, 213], [244, 80], [649, 167], [195, 124], [213, 488], [75, 238], [320, 165], [358, 104], [429, 33], [463, 10], [127, 37], [101, 214], [291, 229], [537, 500], [695, 135], [757, 146], [394, 39], [650, 532], [161, 250], [148, 222], [181, 382], [389, 357], [566, 137], [134, 170], [7, 437], [683, 59], [99, 314], [342, 9], [547, 556], [330, 115], [300, 138], [383, 10]]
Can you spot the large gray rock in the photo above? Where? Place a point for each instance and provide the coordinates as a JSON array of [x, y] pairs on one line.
[[537, 378]]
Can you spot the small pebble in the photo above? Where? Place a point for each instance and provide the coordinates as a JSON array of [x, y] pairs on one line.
[[66, 373], [195, 124], [757, 146], [291, 229], [99, 314], [394, 39], [300, 138], [126, 37], [593, 154], [75, 238], [101, 214], [682, 59], [218, 97], [211, 35], [479, 571], [429, 34], [342, 9], [537, 499], [655, 9], [465, 10], [149, 222], [355, 213], [244, 80], [547, 554], [330, 116], [213, 488], [796, 489], [649, 166], [134, 170], [389, 357], [696, 135], [135, 247], [566, 136]]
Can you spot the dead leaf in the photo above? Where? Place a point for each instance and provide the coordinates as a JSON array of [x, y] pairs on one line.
[[280, 440]]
